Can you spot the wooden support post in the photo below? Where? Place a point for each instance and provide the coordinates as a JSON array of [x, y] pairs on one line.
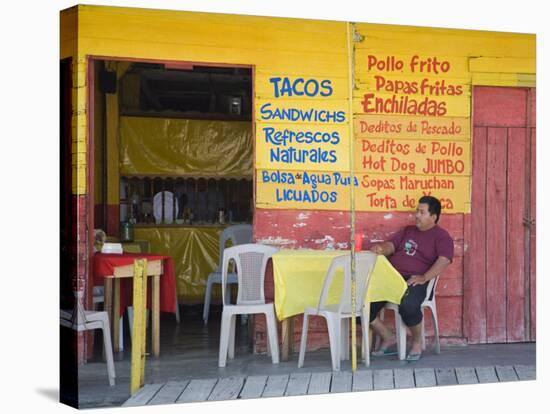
[[291, 336], [115, 323], [284, 339], [108, 302], [143, 316], [155, 315], [137, 372], [287, 329]]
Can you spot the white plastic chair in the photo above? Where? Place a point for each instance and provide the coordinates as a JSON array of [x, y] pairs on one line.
[[238, 234], [338, 315], [99, 297], [83, 320], [401, 328], [251, 261]]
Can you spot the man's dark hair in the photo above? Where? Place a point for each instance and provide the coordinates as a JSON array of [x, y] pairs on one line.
[[434, 206]]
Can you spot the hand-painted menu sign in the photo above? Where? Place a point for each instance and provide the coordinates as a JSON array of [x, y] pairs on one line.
[[424, 96], [412, 137], [412, 131], [298, 128], [302, 150]]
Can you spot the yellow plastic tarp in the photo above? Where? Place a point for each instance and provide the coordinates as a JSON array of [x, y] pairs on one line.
[[165, 146], [299, 276], [195, 254]]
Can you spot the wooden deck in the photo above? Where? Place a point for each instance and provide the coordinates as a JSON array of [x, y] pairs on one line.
[[304, 383]]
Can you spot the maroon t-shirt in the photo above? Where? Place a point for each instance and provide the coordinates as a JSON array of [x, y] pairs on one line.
[[416, 251]]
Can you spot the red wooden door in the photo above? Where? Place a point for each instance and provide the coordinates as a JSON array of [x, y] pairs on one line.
[[499, 277]]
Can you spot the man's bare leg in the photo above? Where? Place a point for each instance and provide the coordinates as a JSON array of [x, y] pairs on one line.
[[416, 340], [388, 337]]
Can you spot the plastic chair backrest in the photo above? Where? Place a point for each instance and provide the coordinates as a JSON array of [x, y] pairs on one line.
[[251, 261], [364, 263], [431, 288], [238, 234], [78, 317]]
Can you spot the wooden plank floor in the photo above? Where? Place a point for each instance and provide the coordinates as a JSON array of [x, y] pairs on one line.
[[304, 383]]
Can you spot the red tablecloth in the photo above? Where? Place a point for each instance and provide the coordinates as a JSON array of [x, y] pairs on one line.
[[104, 265]]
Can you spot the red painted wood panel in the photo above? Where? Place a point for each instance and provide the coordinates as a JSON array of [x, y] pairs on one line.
[[302, 229], [533, 236], [466, 300], [515, 234], [532, 114], [98, 216], [496, 234], [456, 268], [328, 229], [449, 311], [113, 220], [500, 107], [381, 226], [268, 282], [448, 286], [475, 302], [507, 191], [80, 212], [377, 226], [532, 215]]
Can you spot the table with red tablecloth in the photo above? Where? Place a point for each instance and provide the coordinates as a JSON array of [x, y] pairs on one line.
[[104, 269], [104, 265]]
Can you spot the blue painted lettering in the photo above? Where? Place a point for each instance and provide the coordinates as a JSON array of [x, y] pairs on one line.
[[275, 82], [325, 84], [315, 179], [278, 177], [305, 196], [344, 180], [288, 136], [312, 88], [294, 89], [300, 115], [299, 86], [293, 155], [286, 88]]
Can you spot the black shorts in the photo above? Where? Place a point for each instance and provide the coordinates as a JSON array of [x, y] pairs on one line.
[[409, 308]]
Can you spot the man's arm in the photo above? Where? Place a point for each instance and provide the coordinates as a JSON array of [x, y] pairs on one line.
[[385, 248], [437, 268]]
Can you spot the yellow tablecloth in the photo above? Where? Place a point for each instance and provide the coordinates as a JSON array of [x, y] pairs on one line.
[[299, 276]]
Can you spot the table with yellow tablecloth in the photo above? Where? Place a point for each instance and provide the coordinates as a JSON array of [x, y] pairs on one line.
[[298, 280]]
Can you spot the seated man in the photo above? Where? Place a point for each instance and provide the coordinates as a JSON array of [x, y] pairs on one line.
[[419, 253]]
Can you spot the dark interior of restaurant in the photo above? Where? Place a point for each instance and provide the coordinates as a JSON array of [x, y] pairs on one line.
[[172, 168]]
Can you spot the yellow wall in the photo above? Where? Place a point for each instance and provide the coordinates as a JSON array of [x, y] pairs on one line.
[[315, 51], [69, 49], [98, 145]]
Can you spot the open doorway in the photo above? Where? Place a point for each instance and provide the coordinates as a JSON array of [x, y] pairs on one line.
[[173, 167]]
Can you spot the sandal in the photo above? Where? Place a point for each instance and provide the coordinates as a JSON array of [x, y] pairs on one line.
[[413, 357], [391, 350]]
